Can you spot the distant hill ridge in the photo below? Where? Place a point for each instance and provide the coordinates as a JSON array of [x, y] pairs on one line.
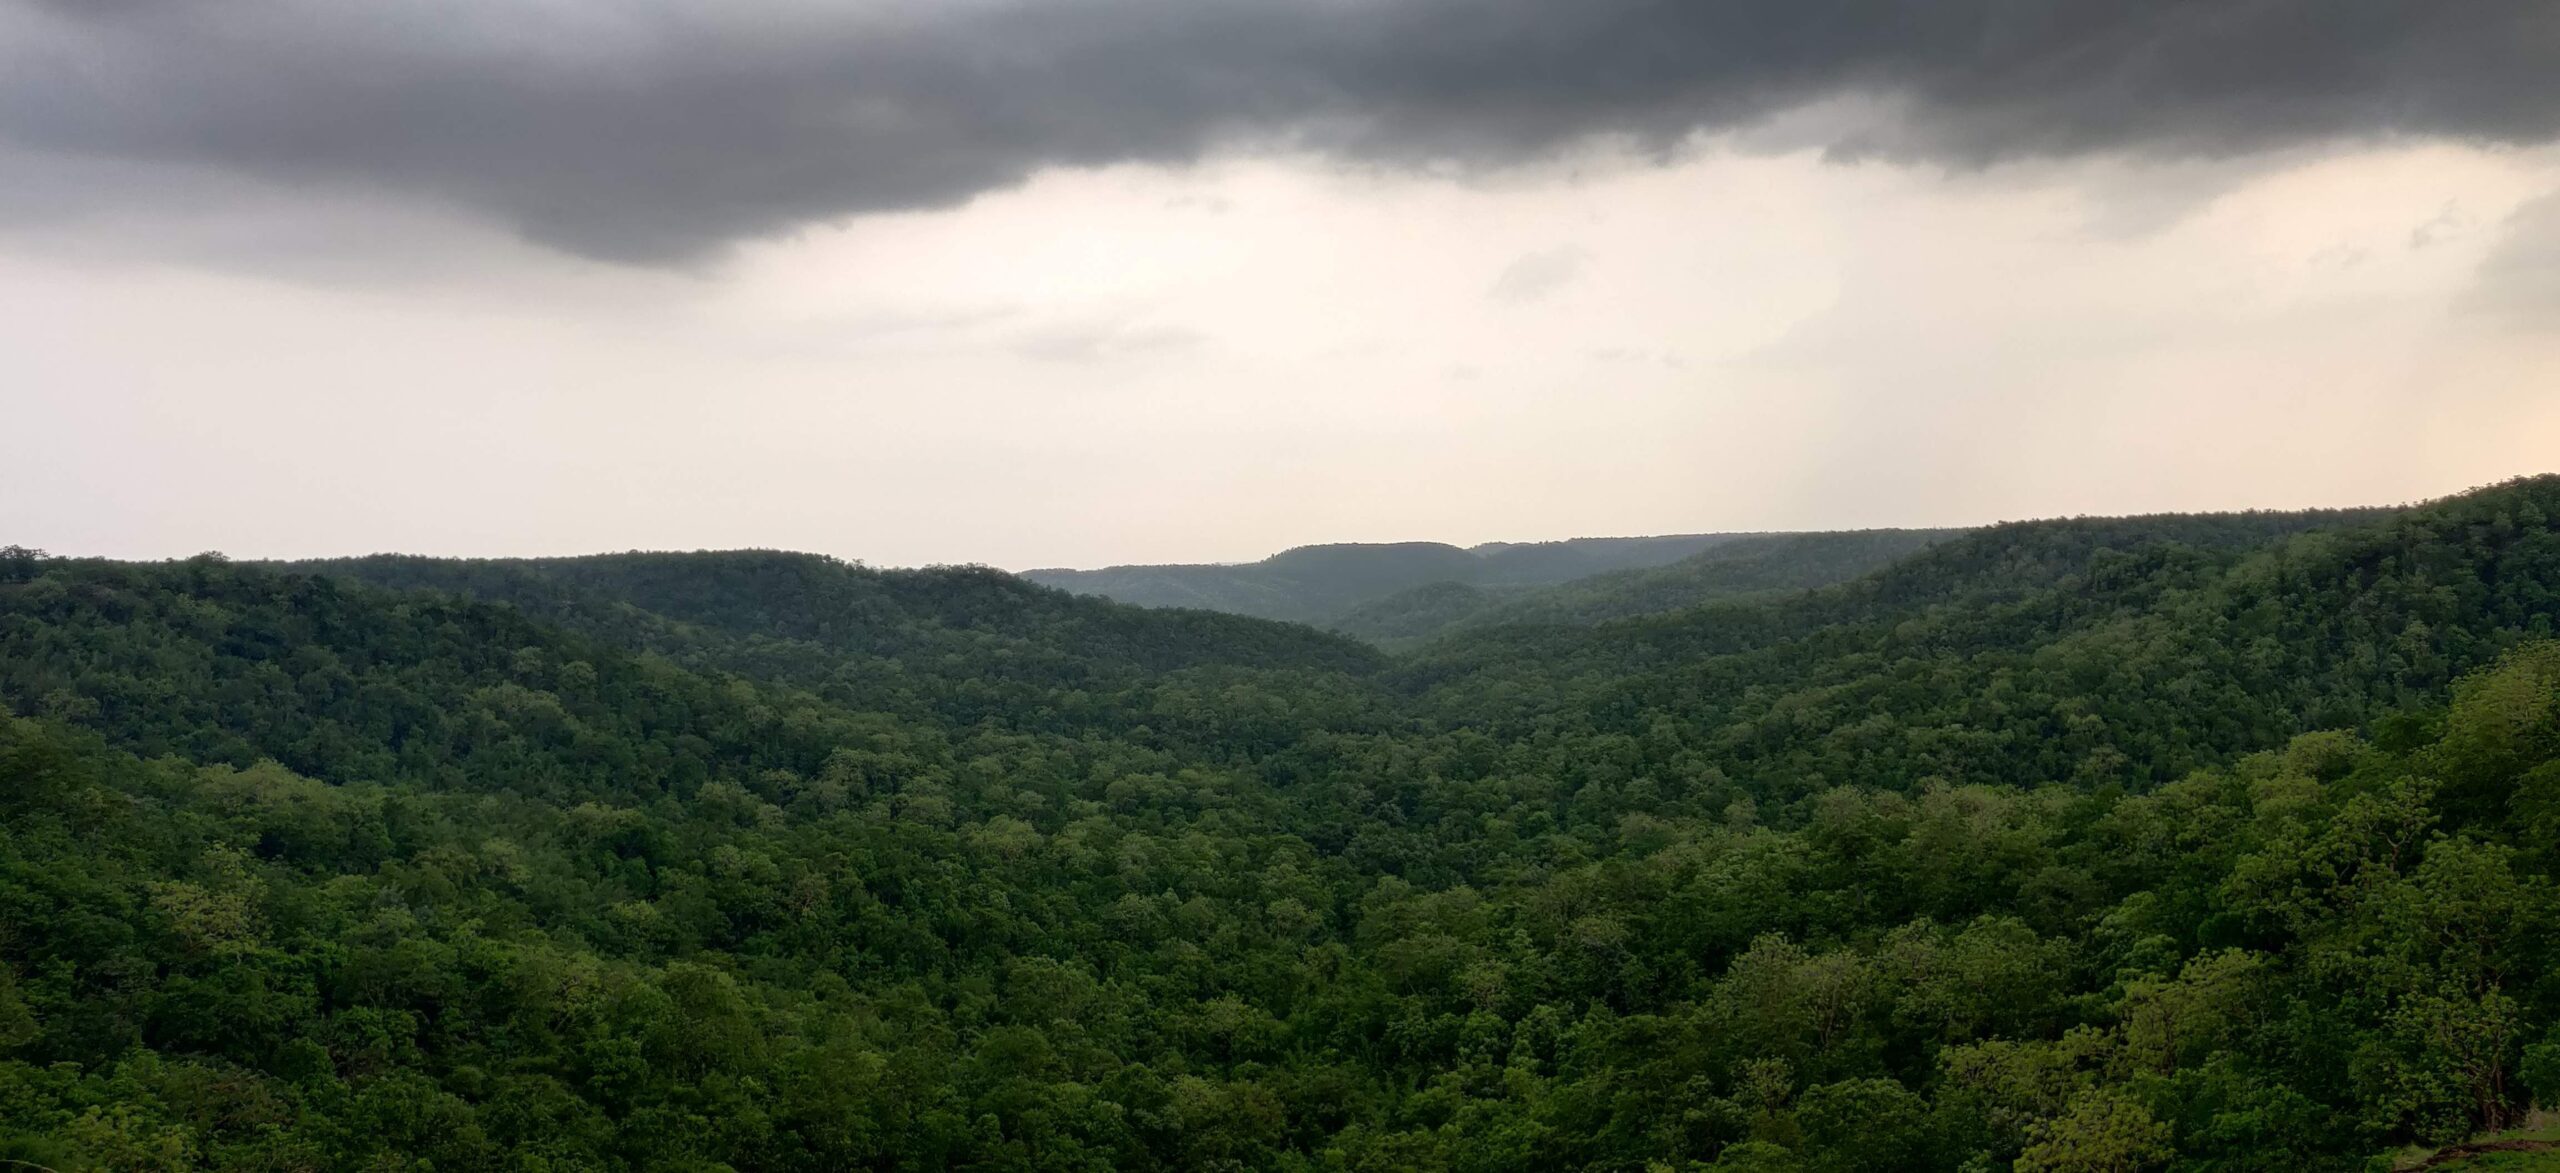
[[1320, 583], [1751, 564], [958, 642]]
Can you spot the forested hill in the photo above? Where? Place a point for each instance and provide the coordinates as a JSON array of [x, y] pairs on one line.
[[2217, 843], [970, 640], [1318, 584], [2099, 651], [1966, 573], [1746, 565], [851, 609]]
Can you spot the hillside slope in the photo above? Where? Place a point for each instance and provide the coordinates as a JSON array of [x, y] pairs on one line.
[[1746, 565], [969, 641], [2125, 651], [1316, 584]]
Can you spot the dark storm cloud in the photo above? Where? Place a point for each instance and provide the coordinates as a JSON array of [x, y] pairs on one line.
[[657, 130]]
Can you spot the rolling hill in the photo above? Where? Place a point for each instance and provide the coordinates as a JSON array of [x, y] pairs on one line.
[[1745, 565], [1316, 584]]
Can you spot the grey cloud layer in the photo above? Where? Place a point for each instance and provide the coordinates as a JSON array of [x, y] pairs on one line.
[[658, 130]]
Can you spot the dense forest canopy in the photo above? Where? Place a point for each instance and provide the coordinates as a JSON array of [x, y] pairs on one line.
[[2215, 842]]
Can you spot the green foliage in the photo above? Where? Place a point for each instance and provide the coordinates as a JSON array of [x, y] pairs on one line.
[[2101, 1132], [2196, 844]]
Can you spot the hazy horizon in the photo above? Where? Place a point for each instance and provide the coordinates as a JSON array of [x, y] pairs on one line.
[[1246, 559]]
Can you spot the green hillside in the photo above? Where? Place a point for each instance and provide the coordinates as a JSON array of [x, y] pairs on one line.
[[1746, 565], [2206, 843], [961, 643], [1316, 584]]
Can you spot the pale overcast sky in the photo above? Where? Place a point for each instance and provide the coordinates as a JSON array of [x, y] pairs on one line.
[[1076, 282]]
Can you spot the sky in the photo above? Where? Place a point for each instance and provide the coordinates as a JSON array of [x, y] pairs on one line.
[[1081, 282]]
